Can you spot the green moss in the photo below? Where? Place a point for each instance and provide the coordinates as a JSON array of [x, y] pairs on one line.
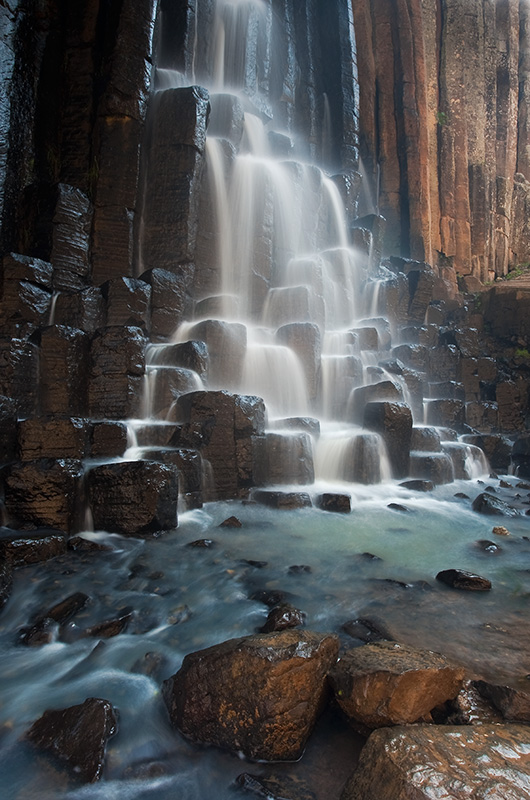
[[522, 352], [441, 118]]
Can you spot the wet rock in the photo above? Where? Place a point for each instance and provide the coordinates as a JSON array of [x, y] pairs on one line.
[[25, 307], [151, 665], [375, 392], [435, 467], [108, 439], [231, 522], [303, 424], [227, 116], [398, 507], [81, 545], [386, 683], [117, 365], [500, 530], [299, 569], [72, 221], [425, 440], [190, 471], [269, 597], [21, 548], [42, 632], [340, 503], [6, 580], [63, 372], [487, 503], [487, 547], [363, 464], [393, 421], [64, 610], [169, 301], [283, 500], [404, 762], [44, 493], [109, 628], [460, 579], [282, 617], [365, 630], [202, 544], [415, 356], [281, 788], [225, 429], [167, 385], [83, 310], [227, 346], [77, 735], [418, 485], [52, 438], [18, 268], [446, 413], [513, 704], [305, 340], [127, 302], [8, 429], [260, 694], [521, 455], [497, 448], [133, 498], [286, 458], [192, 355]]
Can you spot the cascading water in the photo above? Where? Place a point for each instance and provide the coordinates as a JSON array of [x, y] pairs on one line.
[[284, 255]]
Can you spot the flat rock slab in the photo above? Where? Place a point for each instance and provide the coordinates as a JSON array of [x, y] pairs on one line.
[[259, 695], [77, 735], [420, 762], [386, 683]]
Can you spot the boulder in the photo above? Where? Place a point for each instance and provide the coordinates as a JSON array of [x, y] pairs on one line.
[[6, 581], [282, 500], [386, 683], [30, 548], [281, 617], [190, 471], [513, 704], [374, 392], [169, 300], [259, 695], [425, 439], [286, 458], [481, 761], [133, 497], [460, 579], [418, 485], [192, 355], [486, 503], [83, 310], [52, 438], [435, 467], [305, 340], [393, 421], [127, 301], [77, 735], [44, 493], [340, 503]]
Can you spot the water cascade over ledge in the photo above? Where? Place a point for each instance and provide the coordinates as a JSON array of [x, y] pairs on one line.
[[300, 366]]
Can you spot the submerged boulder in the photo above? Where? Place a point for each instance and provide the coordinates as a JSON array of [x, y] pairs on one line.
[[77, 735], [260, 695], [386, 683], [480, 761]]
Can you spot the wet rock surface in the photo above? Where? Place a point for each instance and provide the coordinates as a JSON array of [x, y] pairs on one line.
[[386, 683], [461, 579], [404, 762], [260, 694], [77, 736]]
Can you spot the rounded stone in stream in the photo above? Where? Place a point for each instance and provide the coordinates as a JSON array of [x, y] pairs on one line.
[[282, 617], [259, 695], [488, 504], [418, 485], [398, 507], [269, 597], [77, 735], [338, 503], [202, 543], [231, 522], [486, 546], [460, 579]]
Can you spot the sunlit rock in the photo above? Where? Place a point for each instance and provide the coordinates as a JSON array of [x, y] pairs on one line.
[[260, 695], [464, 761], [386, 683], [447, 412], [77, 736]]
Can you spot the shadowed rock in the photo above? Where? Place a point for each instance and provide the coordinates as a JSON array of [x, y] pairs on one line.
[[482, 761], [340, 503], [393, 421], [52, 438], [77, 735], [21, 548], [282, 617], [386, 683], [283, 500], [486, 503], [282, 788], [19, 373], [260, 694], [512, 703], [44, 493], [6, 581]]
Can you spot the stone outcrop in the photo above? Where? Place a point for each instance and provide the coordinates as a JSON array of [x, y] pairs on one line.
[[260, 695], [77, 736], [386, 683], [404, 762]]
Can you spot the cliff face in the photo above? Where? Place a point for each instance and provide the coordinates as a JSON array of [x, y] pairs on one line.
[[444, 100]]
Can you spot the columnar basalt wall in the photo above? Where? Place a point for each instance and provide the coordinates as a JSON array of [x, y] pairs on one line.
[[444, 127]]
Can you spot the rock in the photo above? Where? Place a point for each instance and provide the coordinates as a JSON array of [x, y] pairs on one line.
[[52, 438], [500, 530], [133, 497], [425, 440], [260, 694], [434, 467], [117, 366], [299, 569], [108, 439], [44, 631], [271, 788], [282, 617], [227, 345], [19, 373], [6, 580], [202, 544], [169, 301], [393, 421], [304, 339], [44, 493], [340, 503], [486, 503], [386, 683], [446, 413], [190, 471], [365, 630], [460, 579], [64, 610], [63, 372], [363, 464], [77, 735], [374, 392], [71, 224], [513, 704], [21, 548], [109, 628], [418, 485], [398, 507], [82, 545], [467, 761], [286, 458], [302, 424], [487, 547], [497, 448], [231, 522], [127, 301], [192, 355], [8, 429]]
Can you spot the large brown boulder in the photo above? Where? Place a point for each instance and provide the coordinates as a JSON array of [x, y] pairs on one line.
[[479, 762], [386, 683], [260, 695]]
